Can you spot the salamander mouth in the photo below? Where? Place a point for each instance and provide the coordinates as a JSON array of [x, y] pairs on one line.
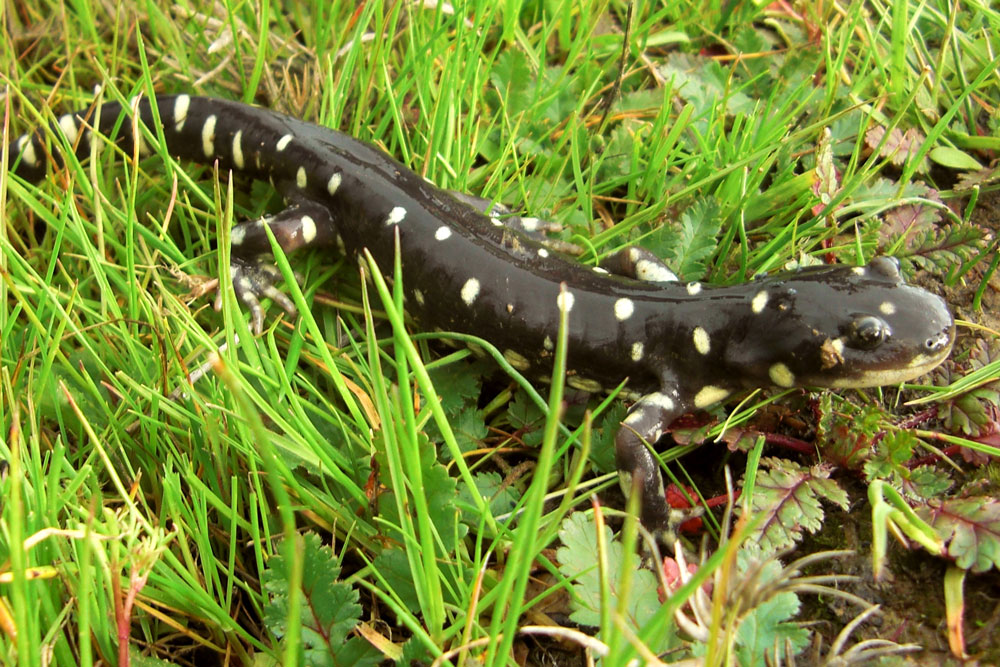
[[937, 348]]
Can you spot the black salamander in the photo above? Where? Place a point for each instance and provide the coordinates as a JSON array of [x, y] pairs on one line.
[[682, 346]]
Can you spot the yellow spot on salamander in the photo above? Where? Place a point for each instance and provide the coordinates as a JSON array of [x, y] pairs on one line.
[[702, 343], [781, 375], [709, 395], [759, 302]]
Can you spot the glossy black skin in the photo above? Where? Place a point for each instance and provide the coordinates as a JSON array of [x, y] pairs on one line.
[[515, 307]]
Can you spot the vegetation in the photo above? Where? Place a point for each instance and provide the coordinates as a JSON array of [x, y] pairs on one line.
[[346, 490]]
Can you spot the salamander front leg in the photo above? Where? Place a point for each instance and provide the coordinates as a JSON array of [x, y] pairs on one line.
[[637, 468], [533, 228], [251, 262], [638, 263]]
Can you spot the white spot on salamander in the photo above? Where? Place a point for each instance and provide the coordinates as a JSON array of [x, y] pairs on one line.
[[208, 136], [26, 148], [708, 395], [565, 301], [693, 288], [396, 216], [238, 149], [781, 375], [887, 308], [67, 123], [653, 272], [702, 342], [301, 179], [601, 270], [308, 229], [543, 253], [547, 344], [470, 290], [637, 351], [238, 235], [334, 183], [624, 309], [181, 105], [858, 270], [529, 224], [759, 302], [418, 296], [283, 142], [443, 233]]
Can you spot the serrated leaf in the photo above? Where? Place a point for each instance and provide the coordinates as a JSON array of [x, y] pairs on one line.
[[927, 482], [788, 498], [440, 494], [768, 625], [394, 567], [328, 609], [491, 487], [898, 146], [975, 412], [510, 76], [890, 454], [908, 221], [602, 443], [700, 224], [970, 528], [523, 413], [942, 250], [845, 433], [577, 561], [704, 83], [982, 177], [458, 385], [469, 427]]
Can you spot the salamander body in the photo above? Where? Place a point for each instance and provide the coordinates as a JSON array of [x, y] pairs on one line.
[[467, 267]]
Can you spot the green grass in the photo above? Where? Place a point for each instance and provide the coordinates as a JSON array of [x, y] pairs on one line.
[[733, 143]]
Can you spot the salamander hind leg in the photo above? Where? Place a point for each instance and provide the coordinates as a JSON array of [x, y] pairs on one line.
[[637, 467], [251, 266]]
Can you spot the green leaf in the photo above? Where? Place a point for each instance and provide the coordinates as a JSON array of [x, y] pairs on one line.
[[788, 498], [458, 385], [394, 567], [970, 528], [768, 626], [329, 609], [953, 158], [513, 77], [578, 562], [700, 224], [602, 444], [490, 485]]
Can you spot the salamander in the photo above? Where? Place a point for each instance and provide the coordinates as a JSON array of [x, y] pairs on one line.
[[475, 268]]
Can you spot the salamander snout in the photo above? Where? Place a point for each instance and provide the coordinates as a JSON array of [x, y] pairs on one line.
[[940, 341]]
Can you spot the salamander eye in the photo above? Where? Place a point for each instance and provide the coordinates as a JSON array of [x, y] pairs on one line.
[[867, 332]]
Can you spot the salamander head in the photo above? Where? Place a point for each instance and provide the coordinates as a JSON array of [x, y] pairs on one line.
[[845, 327]]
